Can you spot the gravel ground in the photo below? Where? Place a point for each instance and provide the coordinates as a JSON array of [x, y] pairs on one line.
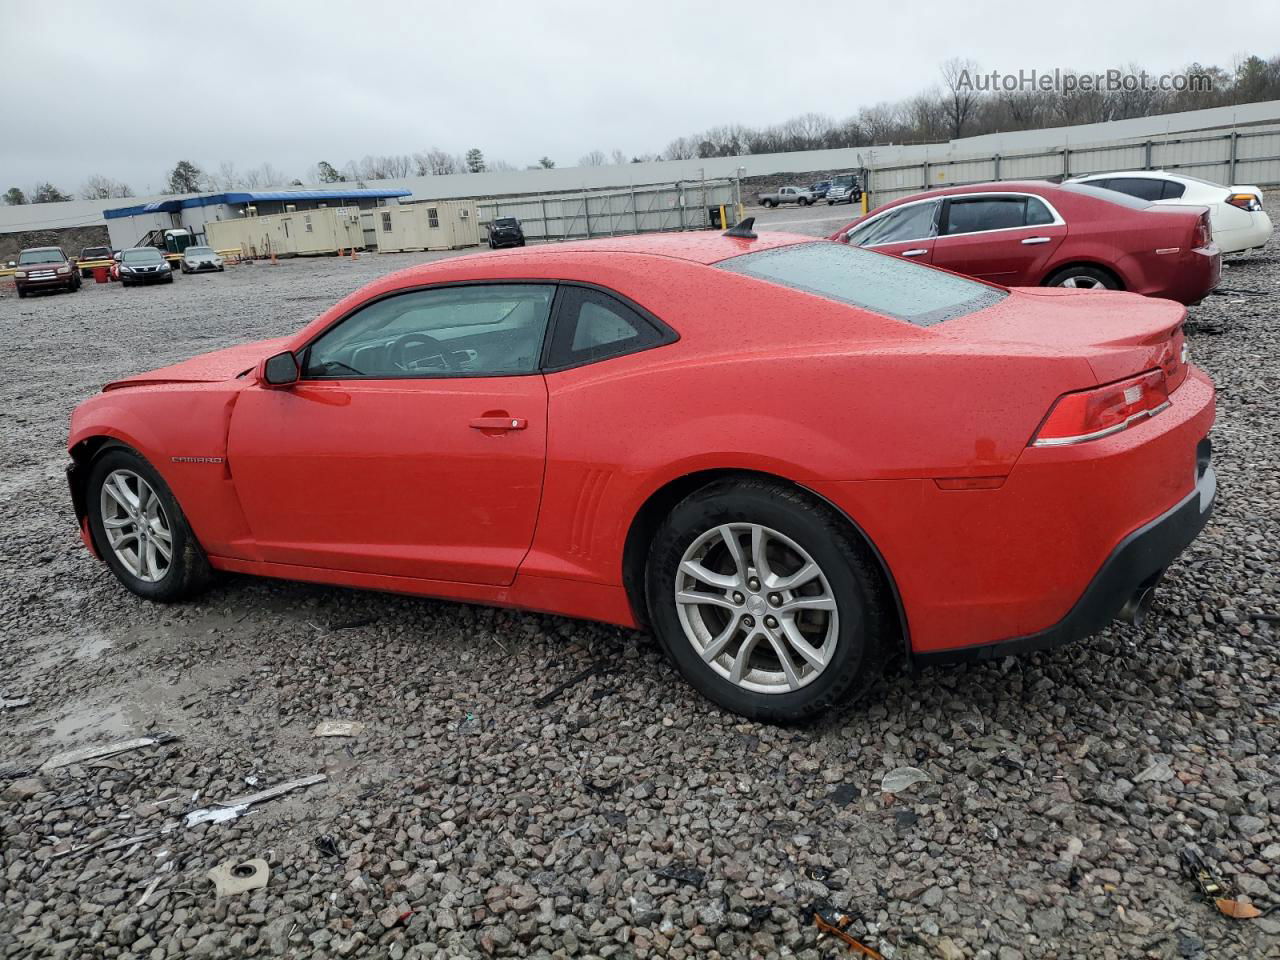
[[531, 786]]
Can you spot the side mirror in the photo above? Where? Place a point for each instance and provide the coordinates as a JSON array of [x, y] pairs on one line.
[[280, 370]]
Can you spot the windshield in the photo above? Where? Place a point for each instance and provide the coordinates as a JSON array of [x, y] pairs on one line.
[[505, 222], [95, 252], [204, 250], [872, 281], [141, 256], [844, 180], [41, 256]]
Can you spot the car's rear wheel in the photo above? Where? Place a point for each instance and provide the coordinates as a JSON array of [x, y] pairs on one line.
[[1084, 278], [765, 600], [140, 530]]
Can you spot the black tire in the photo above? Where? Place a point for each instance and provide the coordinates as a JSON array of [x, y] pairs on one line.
[[831, 203], [768, 203], [188, 572], [22, 294], [169, 279], [860, 650], [1083, 277]]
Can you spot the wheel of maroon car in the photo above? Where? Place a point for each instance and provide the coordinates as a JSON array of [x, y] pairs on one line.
[[1084, 278], [766, 601], [140, 530]]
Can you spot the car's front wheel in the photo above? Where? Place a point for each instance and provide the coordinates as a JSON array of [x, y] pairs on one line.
[[140, 530], [766, 601]]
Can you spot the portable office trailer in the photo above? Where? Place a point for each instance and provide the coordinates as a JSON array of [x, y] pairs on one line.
[[426, 225], [295, 233]]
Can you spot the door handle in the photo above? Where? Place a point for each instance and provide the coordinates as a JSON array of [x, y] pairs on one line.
[[1030, 240], [499, 423], [915, 253]]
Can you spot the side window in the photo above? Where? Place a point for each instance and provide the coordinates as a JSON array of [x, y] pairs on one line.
[[591, 325], [433, 217], [386, 221], [1144, 188], [914, 222], [1172, 190], [984, 213], [469, 331], [1038, 214]]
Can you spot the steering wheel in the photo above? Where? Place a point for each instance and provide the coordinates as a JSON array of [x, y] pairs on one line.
[[401, 346]]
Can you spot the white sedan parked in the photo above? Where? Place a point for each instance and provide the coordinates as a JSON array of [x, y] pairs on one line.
[[1240, 225]]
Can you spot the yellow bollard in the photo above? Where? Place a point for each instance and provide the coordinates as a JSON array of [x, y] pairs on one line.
[[864, 203]]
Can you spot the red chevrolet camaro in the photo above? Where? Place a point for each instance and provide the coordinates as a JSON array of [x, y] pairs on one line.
[[1039, 234], [790, 458]]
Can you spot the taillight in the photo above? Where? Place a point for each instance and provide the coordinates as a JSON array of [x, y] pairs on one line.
[[1101, 411], [1204, 231], [1246, 201]]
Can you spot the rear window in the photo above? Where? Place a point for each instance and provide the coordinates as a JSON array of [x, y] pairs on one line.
[[1110, 196], [872, 281]]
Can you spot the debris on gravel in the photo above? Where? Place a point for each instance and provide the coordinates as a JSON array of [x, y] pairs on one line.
[[530, 786]]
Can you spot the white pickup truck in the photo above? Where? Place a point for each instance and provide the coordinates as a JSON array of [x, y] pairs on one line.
[[801, 195]]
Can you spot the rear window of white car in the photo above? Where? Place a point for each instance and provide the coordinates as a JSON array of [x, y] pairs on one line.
[[873, 281]]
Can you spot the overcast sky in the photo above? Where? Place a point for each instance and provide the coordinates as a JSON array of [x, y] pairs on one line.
[[127, 91]]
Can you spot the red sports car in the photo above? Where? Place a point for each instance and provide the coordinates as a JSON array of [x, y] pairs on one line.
[[1039, 234], [792, 459]]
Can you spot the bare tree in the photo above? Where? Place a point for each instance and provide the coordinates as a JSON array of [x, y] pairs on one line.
[[98, 187], [617, 158], [961, 94], [681, 148], [435, 162], [595, 158]]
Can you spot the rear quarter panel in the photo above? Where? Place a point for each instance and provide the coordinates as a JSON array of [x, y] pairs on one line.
[[771, 380]]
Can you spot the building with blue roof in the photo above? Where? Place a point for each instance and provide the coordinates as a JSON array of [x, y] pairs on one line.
[[127, 226]]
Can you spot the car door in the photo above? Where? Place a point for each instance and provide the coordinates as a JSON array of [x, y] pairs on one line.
[[1004, 238], [907, 231], [413, 444]]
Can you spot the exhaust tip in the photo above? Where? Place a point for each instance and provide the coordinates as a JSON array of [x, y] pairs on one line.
[[1138, 606]]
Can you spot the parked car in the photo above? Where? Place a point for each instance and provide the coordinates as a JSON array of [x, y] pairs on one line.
[[1038, 234], [799, 195], [505, 232], [1240, 224], [45, 268], [846, 188], [200, 260], [819, 189], [90, 254], [143, 265], [845, 456]]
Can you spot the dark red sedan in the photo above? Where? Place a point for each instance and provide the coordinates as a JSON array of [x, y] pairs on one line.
[[1038, 234], [791, 459]]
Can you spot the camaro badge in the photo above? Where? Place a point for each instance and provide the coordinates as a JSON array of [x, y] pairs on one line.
[[196, 459]]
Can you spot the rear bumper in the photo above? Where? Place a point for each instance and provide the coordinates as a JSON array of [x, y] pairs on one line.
[[1189, 277], [1136, 563]]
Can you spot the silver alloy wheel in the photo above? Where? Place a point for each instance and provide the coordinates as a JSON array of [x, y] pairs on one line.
[[1082, 283], [756, 608], [136, 525]]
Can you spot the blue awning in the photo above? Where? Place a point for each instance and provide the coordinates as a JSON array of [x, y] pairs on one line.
[[251, 196]]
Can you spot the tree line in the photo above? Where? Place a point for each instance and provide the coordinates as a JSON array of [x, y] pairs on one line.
[[955, 107], [958, 107]]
